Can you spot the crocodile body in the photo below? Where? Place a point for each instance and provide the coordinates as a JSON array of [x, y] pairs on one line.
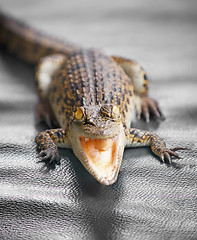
[[89, 78], [92, 98]]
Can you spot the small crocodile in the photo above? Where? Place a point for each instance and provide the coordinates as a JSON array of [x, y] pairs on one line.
[[88, 99]]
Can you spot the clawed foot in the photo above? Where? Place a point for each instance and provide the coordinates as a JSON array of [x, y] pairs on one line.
[[43, 113], [150, 106], [167, 154], [49, 156]]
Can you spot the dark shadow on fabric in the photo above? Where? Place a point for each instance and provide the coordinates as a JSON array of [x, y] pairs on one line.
[[152, 125], [88, 184], [188, 114], [94, 196], [24, 71]]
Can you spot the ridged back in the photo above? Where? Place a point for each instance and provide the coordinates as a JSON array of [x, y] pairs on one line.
[[89, 77]]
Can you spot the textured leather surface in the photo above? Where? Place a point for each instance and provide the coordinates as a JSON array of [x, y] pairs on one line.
[[150, 200]]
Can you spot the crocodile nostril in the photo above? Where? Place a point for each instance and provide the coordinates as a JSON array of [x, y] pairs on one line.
[[90, 121]]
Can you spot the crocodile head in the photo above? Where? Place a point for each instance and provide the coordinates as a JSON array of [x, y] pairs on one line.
[[97, 139]]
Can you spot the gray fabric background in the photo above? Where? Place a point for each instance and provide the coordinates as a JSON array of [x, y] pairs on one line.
[[150, 200]]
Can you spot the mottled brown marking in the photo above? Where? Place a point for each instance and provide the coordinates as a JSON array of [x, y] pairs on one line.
[[28, 44], [88, 80]]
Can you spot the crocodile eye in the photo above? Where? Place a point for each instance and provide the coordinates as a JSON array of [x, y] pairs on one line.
[[79, 114], [110, 111], [115, 112]]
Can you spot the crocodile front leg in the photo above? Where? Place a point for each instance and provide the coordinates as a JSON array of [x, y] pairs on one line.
[[139, 138], [48, 143], [145, 105]]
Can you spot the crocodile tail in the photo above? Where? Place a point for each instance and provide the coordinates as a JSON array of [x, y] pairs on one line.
[[27, 43]]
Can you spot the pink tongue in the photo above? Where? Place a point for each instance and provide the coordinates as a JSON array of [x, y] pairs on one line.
[[101, 152], [102, 144]]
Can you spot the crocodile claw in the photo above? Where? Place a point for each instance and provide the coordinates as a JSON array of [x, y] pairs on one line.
[[167, 154], [150, 106], [43, 113], [49, 156]]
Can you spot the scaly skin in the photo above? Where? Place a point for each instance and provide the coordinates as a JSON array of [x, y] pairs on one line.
[[28, 44], [93, 98]]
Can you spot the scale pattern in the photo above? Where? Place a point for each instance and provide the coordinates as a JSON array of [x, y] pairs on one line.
[[29, 44], [89, 77]]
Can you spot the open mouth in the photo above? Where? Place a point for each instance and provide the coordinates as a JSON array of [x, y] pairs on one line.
[[102, 157]]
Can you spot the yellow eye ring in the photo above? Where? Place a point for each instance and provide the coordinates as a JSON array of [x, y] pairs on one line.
[[115, 111], [79, 114]]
